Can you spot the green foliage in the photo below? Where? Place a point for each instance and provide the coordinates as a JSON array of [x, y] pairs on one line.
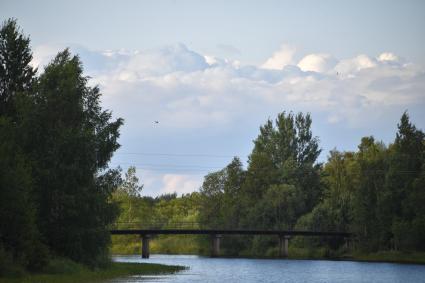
[[284, 153], [66, 271], [161, 212], [376, 192], [55, 145], [16, 74], [281, 184], [73, 140], [19, 234], [390, 256]]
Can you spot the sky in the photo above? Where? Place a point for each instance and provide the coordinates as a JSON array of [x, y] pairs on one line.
[[212, 72]]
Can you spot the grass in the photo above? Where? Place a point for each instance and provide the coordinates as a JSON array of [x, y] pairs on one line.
[[389, 256], [382, 256], [65, 271]]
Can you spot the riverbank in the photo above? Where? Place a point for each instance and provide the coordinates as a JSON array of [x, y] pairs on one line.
[[70, 272], [321, 254], [389, 256]]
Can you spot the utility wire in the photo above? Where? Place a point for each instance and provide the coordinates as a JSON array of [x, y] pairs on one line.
[[179, 154], [168, 165], [200, 168]]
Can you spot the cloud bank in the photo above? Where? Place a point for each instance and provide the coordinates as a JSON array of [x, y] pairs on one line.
[[193, 95]]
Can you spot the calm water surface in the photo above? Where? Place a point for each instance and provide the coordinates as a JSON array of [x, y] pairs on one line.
[[223, 270]]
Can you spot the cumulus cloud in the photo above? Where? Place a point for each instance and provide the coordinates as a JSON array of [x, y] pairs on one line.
[[281, 58], [188, 90], [350, 66], [387, 56], [317, 63]]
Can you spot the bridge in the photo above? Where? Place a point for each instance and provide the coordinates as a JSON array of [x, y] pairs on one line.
[[146, 231]]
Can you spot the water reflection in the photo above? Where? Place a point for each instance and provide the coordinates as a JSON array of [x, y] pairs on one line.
[[204, 269]]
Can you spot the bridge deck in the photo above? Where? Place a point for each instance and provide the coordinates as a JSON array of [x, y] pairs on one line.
[[225, 232]]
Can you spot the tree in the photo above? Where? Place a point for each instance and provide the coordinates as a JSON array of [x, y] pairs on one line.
[[131, 183], [16, 74], [72, 142], [284, 153], [403, 186], [212, 191], [368, 207], [19, 235], [129, 192]]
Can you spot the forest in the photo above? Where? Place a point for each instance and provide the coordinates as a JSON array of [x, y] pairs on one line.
[[59, 197]]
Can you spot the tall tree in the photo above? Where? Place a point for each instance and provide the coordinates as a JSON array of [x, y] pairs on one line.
[[73, 140], [335, 211], [16, 73], [369, 193], [402, 180], [284, 153], [128, 193], [19, 235]]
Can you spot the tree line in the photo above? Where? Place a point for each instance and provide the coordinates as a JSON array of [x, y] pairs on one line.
[[163, 211], [55, 145], [376, 192]]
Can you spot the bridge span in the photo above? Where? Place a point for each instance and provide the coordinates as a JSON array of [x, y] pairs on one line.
[[216, 235]]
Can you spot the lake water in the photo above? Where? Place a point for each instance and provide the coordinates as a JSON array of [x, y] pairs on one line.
[[225, 270]]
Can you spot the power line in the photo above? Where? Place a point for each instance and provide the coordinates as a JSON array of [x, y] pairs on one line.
[[200, 168], [179, 154], [171, 165], [175, 170]]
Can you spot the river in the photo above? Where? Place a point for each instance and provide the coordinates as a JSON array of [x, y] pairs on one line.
[[229, 270]]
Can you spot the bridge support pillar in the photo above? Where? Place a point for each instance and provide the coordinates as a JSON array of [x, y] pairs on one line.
[[283, 245], [145, 246], [215, 245], [347, 243]]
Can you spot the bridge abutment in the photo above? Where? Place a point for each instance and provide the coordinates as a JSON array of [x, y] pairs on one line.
[[145, 246], [215, 245], [283, 245]]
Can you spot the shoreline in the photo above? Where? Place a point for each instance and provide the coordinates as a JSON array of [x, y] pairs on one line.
[[81, 274], [379, 257]]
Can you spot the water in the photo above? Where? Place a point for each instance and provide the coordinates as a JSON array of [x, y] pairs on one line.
[[224, 270]]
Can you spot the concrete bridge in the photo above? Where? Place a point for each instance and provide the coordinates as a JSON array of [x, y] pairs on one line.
[[216, 235]]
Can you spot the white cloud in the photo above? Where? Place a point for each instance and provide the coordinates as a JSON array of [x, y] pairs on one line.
[[180, 184], [211, 60], [317, 63], [387, 56], [349, 67], [281, 58], [187, 90], [43, 54], [165, 60]]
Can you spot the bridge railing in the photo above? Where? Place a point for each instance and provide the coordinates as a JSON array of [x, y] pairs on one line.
[[157, 225]]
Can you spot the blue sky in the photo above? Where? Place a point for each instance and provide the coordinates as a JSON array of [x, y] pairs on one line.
[[211, 72]]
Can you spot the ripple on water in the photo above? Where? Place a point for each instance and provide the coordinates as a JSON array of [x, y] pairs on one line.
[[228, 270]]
